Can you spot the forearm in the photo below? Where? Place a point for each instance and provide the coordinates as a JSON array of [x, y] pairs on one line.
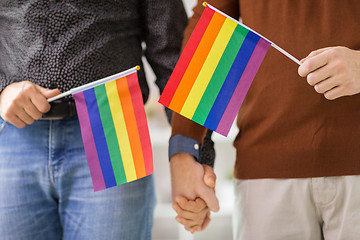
[[188, 128]]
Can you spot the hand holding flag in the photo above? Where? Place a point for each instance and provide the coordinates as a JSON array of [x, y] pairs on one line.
[[114, 129]]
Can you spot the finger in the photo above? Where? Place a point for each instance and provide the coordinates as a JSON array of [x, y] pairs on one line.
[[326, 85], [319, 75], [206, 222], [313, 63], [23, 116], [14, 120], [313, 53], [200, 228], [208, 195], [192, 206], [188, 214], [40, 98], [334, 93], [40, 102], [48, 93], [31, 93], [189, 223], [32, 111], [200, 205], [194, 229], [317, 52], [209, 176]]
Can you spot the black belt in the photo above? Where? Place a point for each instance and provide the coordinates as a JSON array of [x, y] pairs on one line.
[[60, 109]]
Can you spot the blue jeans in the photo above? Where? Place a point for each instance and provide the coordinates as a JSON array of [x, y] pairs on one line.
[[46, 190]]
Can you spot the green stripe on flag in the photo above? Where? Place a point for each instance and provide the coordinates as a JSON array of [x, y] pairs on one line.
[[219, 76], [110, 134]]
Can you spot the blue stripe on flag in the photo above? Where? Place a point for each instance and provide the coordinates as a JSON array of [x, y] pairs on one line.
[[99, 138], [231, 81]]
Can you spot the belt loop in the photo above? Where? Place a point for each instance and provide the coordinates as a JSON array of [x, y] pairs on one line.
[[72, 109]]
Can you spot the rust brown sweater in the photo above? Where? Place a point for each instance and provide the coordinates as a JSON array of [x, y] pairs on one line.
[[286, 129]]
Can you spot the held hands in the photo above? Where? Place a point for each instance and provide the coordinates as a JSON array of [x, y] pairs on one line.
[[194, 215], [333, 71], [22, 103], [193, 191]]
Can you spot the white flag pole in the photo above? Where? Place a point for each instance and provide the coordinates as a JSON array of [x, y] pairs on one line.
[[272, 44], [61, 95], [95, 83]]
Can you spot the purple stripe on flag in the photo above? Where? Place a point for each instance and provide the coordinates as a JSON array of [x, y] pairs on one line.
[[89, 144], [99, 137], [243, 87], [232, 79]]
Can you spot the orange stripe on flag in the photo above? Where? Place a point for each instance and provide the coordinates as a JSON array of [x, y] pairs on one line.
[[132, 129], [197, 62]]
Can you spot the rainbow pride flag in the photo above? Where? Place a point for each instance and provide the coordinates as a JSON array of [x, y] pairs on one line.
[[215, 71], [114, 130]]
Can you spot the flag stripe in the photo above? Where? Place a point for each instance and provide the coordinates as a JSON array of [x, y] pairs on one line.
[[231, 80], [201, 88], [117, 131], [141, 120], [243, 86], [110, 133], [122, 134], [186, 57], [197, 62], [99, 138], [89, 143], [208, 68], [131, 126], [219, 76]]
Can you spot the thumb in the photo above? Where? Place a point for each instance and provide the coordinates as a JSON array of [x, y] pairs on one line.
[[208, 195], [48, 93], [209, 176]]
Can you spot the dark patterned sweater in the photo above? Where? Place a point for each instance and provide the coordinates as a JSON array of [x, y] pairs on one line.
[[67, 43], [64, 44]]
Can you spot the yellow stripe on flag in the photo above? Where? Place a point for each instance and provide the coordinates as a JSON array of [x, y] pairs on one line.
[[197, 61], [121, 131], [208, 68]]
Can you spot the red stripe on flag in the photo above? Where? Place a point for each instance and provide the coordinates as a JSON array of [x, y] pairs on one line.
[[141, 120], [131, 126], [197, 62], [186, 57]]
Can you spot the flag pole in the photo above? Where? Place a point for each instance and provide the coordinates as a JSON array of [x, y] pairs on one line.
[[95, 83], [205, 4]]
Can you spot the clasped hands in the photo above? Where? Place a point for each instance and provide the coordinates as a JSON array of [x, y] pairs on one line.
[[333, 72]]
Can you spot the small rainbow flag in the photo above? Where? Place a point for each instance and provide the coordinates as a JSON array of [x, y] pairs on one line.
[[215, 71], [114, 130]]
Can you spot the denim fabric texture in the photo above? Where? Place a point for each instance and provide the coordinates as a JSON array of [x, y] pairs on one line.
[[46, 190]]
